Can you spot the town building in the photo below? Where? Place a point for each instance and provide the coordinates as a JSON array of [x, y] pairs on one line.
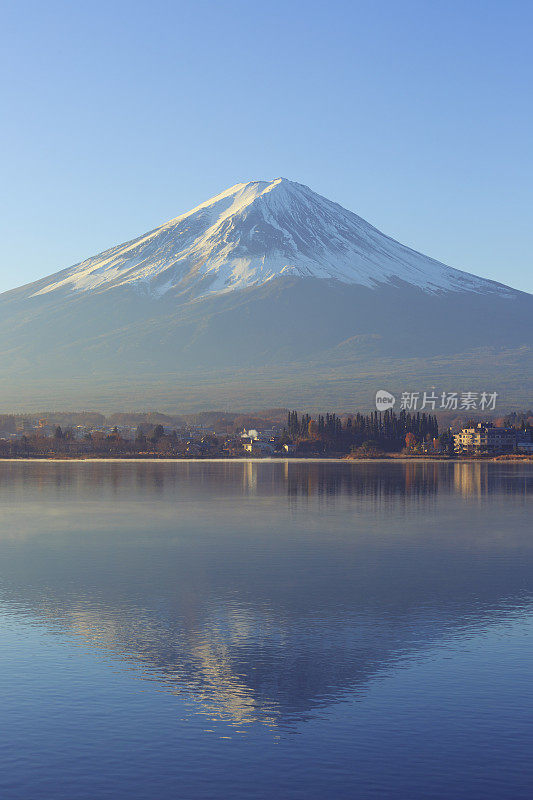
[[485, 438], [525, 447], [258, 447]]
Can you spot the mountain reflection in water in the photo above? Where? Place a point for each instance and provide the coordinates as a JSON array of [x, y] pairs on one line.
[[265, 591]]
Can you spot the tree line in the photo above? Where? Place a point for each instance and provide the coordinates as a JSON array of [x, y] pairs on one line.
[[386, 430]]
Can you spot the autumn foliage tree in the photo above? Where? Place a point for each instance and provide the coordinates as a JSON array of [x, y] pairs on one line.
[[312, 428], [410, 440]]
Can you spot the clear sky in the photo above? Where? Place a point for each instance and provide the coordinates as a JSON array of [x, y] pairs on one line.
[[117, 116]]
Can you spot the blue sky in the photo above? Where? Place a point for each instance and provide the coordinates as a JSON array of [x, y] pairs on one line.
[[117, 116]]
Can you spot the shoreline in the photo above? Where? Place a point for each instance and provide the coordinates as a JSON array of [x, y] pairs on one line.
[[238, 460]]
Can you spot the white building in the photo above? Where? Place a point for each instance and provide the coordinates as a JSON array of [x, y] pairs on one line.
[[485, 438]]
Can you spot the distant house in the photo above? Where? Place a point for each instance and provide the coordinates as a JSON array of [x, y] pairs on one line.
[[433, 447], [525, 441], [525, 447], [289, 448], [257, 447], [250, 434], [485, 438]]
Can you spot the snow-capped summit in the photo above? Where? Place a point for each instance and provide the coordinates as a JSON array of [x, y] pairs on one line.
[[266, 294], [253, 233]]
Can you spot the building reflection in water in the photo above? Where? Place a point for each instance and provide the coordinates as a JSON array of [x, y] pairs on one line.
[[303, 479], [265, 591]]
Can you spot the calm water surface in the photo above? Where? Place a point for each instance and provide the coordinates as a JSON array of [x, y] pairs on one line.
[[266, 630]]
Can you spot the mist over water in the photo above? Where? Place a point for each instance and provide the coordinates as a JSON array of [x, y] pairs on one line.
[[252, 630]]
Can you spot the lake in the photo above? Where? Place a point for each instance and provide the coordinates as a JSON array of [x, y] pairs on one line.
[[266, 630]]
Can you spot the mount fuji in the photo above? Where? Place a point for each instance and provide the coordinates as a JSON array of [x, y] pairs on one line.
[[266, 294]]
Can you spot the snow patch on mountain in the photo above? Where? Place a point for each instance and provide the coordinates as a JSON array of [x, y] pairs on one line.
[[255, 232]]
